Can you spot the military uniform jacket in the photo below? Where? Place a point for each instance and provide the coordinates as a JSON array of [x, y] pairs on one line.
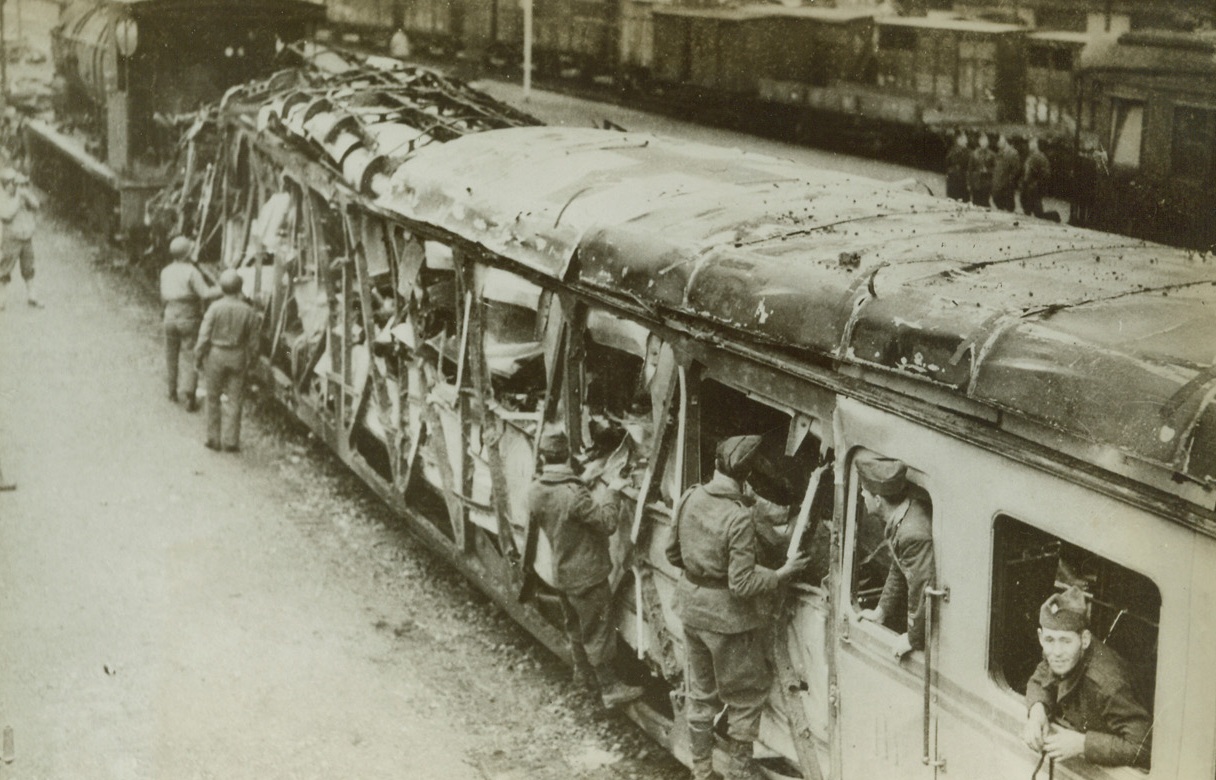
[[1007, 170], [912, 568], [1036, 172], [183, 289], [230, 323], [957, 160], [575, 525], [1096, 698], [715, 543], [979, 169]]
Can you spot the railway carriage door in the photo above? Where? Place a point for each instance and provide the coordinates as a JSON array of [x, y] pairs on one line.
[[883, 709]]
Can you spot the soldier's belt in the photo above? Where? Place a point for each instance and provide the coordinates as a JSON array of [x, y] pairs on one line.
[[706, 582]]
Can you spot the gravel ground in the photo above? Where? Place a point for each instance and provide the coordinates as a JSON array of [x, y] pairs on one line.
[[169, 612]]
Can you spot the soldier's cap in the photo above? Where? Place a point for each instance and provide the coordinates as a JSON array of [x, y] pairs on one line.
[[1065, 611], [881, 475], [231, 282], [555, 445], [734, 455], [180, 246]]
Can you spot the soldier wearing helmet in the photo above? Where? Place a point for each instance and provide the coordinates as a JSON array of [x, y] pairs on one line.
[[17, 208], [719, 598], [227, 341], [182, 292], [578, 528]]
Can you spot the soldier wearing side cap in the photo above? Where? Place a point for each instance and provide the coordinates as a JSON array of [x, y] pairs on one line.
[[719, 603], [227, 339], [908, 529], [578, 528], [1080, 700], [182, 291]]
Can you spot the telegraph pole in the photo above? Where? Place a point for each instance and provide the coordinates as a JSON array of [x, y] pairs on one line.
[[3, 57], [527, 47]]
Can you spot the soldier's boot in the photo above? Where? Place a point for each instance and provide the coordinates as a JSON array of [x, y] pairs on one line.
[[30, 297], [3, 295], [613, 692], [584, 676], [742, 765], [619, 693], [701, 745]]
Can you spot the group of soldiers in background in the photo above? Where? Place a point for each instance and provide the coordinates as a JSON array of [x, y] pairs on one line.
[[997, 178]]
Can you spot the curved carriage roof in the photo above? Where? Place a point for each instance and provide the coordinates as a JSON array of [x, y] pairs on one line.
[[1098, 336]]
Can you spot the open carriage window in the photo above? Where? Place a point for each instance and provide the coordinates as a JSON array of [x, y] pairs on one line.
[[627, 375], [1031, 565], [514, 330], [790, 453], [881, 516]]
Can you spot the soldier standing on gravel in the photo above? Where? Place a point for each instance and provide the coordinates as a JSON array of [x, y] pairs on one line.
[[17, 208], [182, 291], [719, 600], [226, 342], [578, 529]]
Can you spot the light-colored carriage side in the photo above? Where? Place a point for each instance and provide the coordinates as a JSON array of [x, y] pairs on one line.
[[431, 306]]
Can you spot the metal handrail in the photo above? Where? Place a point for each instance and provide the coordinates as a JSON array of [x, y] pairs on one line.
[[930, 595]]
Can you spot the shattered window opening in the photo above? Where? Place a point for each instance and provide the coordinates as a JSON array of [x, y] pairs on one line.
[[779, 478]]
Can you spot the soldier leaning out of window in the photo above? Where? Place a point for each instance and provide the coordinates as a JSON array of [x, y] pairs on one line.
[[1079, 699]]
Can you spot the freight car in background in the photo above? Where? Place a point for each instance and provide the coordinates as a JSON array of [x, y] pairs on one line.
[[849, 76], [1152, 173], [570, 37], [441, 281], [129, 73]]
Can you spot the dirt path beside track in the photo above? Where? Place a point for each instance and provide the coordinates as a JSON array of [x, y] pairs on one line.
[[170, 612]]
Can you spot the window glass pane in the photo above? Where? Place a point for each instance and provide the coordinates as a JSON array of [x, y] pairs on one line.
[[1038, 57], [899, 38], [1126, 134], [1194, 143]]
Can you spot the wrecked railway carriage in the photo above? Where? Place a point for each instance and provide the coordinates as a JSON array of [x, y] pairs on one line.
[[441, 278]]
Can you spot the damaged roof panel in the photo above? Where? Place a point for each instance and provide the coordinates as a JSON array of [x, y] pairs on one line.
[[1094, 336]]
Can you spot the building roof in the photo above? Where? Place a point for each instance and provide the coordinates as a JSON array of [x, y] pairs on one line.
[[1060, 36], [1095, 336], [1155, 52], [953, 25]]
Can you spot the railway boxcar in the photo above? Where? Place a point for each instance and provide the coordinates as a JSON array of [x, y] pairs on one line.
[[728, 52], [1051, 94], [935, 71], [1152, 98], [132, 69], [442, 280]]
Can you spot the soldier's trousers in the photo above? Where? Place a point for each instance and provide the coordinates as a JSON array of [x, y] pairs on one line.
[[731, 670], [224, 375], [180, 336], [589, 626]]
